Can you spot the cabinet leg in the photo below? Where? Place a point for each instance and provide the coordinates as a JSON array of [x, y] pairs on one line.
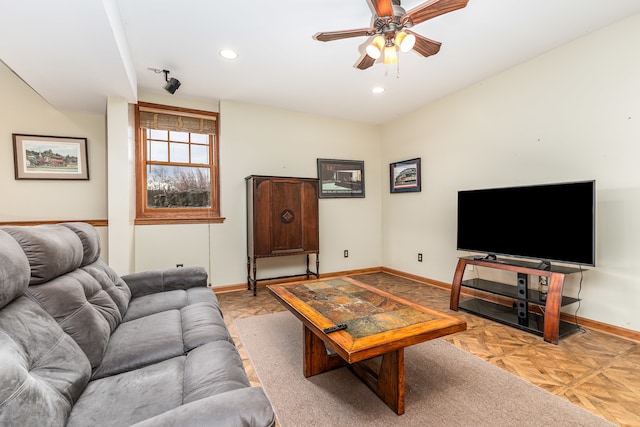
[[308, 272], [248, 273], [317, 265], [255, 278]]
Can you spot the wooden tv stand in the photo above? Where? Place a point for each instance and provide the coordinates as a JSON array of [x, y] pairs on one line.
[[547, 325]]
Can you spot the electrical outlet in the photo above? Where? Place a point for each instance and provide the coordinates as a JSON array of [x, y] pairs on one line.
[[419, 257], [346, 253], [469, 267]]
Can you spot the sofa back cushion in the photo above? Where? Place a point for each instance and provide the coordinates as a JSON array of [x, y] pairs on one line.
[[111, 283], [42, 370], [89, 238], [88, 302], [52, 250], [109, 280], [14, 270], [86, 312]]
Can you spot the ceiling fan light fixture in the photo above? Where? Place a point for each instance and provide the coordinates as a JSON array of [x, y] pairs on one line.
[[405, 41], [389, 21], [374, 49], [390, 55]]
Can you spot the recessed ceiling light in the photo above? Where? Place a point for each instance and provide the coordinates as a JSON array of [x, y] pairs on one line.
[[228, 53], [377, 89]]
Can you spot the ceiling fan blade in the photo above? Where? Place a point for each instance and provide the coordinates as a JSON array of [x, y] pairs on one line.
[[382, 7], [431, 9], [366, 62], [337, 35], [425, 46]]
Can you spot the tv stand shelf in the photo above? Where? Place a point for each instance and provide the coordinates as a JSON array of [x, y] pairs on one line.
[[548, 325], [509, 316], [509, 291]]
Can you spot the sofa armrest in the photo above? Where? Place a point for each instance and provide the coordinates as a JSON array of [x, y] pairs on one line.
[[242, 407], [154, 281]]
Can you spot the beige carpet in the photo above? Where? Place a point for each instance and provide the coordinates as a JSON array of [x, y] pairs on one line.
[[444, 386]]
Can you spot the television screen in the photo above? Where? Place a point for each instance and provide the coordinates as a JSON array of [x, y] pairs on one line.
[[551, 222]]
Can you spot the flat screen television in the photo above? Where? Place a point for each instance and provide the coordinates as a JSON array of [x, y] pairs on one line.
[[550, 222]]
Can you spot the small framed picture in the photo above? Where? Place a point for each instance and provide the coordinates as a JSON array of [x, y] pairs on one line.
[[50, 157], [405, 176], [341, 178]]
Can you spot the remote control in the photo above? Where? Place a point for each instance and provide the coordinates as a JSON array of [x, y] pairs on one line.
[[338, 327]]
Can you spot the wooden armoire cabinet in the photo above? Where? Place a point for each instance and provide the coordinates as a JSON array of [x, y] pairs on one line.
[[282, 219]]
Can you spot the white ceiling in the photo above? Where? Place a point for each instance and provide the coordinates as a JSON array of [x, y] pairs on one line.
[[75, 53]]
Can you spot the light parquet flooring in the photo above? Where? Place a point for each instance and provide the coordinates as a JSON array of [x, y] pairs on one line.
[[596, 371]]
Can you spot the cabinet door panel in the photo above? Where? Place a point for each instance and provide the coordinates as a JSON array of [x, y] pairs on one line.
[[310, 213], [261, 226], [286, 217]]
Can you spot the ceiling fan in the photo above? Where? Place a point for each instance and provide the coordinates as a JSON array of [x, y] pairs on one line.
[[389, 30]]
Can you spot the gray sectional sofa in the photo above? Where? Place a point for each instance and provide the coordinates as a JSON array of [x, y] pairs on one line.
[[81, 346]]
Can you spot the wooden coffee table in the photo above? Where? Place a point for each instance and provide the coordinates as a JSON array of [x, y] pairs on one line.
[[379, 326]]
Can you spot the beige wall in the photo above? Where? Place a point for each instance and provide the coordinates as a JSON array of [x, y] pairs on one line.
[[571, 114], [264, 141], [24, 111], [268, 141]]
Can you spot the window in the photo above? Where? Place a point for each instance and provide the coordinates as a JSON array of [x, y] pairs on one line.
[[177, 165]]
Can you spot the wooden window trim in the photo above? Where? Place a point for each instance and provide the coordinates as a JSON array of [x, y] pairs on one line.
[[145, 215]]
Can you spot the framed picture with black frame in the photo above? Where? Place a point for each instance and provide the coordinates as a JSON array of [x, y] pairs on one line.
[[50, 157], [341, 178], [405, 176]]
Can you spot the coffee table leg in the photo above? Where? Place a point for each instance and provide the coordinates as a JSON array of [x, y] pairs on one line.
[[388, 381], [316, 358], [391, 380]]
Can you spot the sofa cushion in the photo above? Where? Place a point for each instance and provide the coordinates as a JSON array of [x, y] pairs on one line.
[[88, 303], [133, 396], [223, 409], [83, 309], [111, 283], [142, 342], [52, 250], [201, 324], [42, 370], [160, 336], [14, 269], [108, 279], [212, 369], [90, 240]]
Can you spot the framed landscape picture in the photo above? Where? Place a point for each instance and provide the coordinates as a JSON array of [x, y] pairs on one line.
[[405, 176], [341, 178], [50, 157]]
